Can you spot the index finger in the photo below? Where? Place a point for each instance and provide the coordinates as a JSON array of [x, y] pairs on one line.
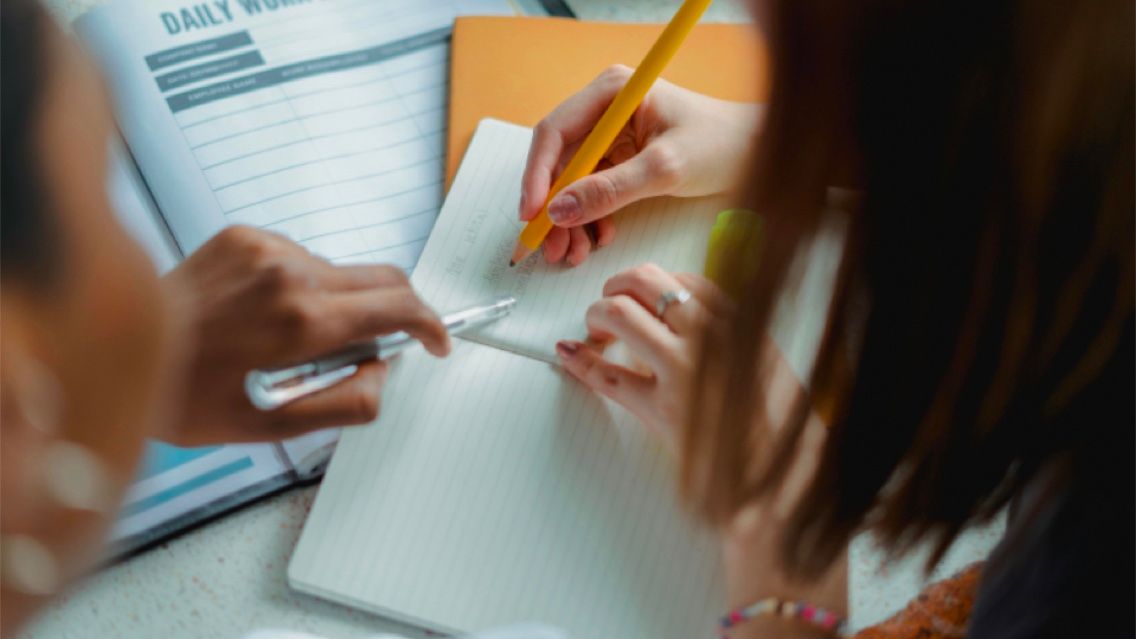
[[356, 277], [357, 316], [567, 123], [621, 317]]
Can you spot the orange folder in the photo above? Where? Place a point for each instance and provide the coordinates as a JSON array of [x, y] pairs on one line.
[[519, 69]]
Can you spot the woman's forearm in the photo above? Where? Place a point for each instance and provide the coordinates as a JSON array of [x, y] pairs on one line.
[[754, 573], [773, 627]]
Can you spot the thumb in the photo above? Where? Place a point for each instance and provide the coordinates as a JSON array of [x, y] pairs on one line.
[[605, 192]]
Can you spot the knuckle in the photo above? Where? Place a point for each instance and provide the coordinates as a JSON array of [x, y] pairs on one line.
[[644, 273], [251, 242], [278, 277], [603, 192], [393, 274], [427, 320], [259, 253], [640, 278], [608, 380], [297, 317], [598, 380], [368, 405], [688, 280], [618, 308], [411, 309], [616, 73], [637, 280], [544, 132], [611, 284], [407, 302], [237, 236], [665, 165], [593, 375]]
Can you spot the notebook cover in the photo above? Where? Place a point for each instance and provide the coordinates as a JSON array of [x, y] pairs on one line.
[[519, 68]]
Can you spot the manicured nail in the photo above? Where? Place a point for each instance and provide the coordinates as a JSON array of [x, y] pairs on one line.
[[567, 349], [564, 208], [522, 207]]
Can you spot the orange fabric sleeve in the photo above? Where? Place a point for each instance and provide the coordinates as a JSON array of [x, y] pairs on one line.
[[941, 611]]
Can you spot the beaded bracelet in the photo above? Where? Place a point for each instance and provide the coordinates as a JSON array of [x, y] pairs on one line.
[[807, 613]]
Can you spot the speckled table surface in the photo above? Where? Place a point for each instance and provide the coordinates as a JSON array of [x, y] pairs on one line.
[[227, 578]]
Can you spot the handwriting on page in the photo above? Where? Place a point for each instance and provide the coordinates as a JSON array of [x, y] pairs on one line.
[[484, 228], [468, 254], [468, 240], [511, 280]]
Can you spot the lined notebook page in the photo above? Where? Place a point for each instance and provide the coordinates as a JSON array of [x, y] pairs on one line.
[[494, 490], [466, 258]]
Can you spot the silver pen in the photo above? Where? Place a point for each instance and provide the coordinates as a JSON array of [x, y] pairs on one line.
[[271, 389]]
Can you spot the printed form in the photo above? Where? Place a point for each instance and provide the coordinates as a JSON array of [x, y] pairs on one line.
[[323, 121]]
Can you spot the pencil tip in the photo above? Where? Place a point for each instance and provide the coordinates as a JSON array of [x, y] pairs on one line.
[[512, 263]]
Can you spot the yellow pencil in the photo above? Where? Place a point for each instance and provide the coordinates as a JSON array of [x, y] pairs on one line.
[[613, 120]]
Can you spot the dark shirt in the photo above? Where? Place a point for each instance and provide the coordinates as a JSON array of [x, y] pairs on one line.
[[1066, 567]]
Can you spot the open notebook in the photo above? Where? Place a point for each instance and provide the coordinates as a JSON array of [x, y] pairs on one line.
[[495, 489], [323, 121]]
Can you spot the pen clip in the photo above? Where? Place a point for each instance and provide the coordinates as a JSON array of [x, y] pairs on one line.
[[269, 390]]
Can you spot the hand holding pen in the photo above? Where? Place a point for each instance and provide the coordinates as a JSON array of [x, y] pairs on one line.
[[266, 303], [271, 389]]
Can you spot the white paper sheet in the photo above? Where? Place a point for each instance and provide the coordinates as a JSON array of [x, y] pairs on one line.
[[494, 489]]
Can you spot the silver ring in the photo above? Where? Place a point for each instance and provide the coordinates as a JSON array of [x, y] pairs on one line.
[[677, 296]]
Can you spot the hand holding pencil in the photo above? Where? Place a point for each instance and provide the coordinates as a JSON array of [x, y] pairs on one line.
[[678, 143], [670, 141]]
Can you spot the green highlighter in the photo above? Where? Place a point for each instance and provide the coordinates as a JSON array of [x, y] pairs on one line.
[[733, 230]]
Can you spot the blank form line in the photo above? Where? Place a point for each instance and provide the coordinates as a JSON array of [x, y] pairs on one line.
[[333, 183], [379, 248], [307, 139], [244, 132], [291, 119], [368, 226], [186, 127], [321, 92], [352, 86], [317, 160], [347, 204], [298, 118]]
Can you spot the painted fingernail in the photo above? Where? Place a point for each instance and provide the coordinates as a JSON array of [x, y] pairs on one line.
[[564, 208], [567, 349]]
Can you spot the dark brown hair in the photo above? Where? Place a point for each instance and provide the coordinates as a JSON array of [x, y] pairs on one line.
[[28, 234], [982, 320]]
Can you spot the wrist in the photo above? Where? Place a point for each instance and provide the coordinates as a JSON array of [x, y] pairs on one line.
[[776, 626], [751, 551]]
